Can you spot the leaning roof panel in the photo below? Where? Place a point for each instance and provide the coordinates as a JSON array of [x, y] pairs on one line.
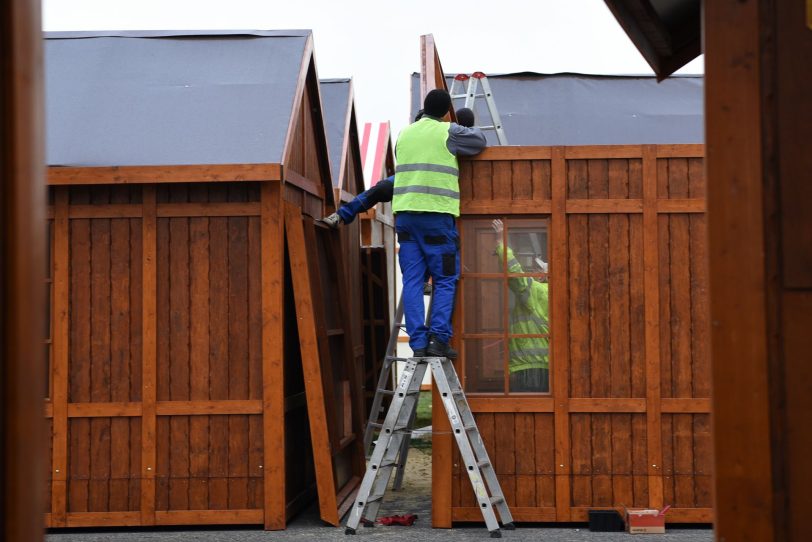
[[170, 97], [580, 109]]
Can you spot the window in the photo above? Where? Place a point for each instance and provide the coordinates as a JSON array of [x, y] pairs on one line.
[[505, 305]]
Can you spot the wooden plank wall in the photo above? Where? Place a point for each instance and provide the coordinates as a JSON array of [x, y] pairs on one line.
[[160, 392], [628, 419]]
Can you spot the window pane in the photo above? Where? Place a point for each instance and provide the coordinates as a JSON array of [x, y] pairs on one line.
[[484, 365], [479, 247], [527, 240], [483, 303]]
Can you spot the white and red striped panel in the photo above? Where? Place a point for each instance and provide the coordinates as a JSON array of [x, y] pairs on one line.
[[374, 143]]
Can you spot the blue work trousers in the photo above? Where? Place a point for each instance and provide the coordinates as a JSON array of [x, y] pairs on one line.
[[428, 243], [382, 191]]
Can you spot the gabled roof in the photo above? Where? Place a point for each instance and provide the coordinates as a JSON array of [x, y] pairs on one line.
[[170, 97], [580, 109], [339, 120]]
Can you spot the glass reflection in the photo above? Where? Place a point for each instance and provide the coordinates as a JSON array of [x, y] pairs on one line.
[[485, 365], [529, 306]]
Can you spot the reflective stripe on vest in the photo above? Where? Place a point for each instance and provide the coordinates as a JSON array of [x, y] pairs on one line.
[[426, 178]]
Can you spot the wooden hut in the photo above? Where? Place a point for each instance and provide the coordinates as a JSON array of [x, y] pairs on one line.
[[626, 419], [189, 349]]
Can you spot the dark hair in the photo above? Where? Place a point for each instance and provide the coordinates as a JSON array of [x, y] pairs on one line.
[[419, 115], [437, 103], [465, 117]]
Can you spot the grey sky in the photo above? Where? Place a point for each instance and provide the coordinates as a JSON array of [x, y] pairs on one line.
[[377, 42]]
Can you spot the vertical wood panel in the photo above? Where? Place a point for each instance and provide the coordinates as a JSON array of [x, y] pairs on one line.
[[522, 180], [237, 360], [198, 360], [255, 435], [524, 430], [120, 370], [149, 351], [79, 366], [218, 354]]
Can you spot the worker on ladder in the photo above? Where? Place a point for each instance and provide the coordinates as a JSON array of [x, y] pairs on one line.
[[426, 202]]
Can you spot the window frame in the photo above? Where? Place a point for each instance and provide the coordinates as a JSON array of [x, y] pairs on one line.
[[543, 222]]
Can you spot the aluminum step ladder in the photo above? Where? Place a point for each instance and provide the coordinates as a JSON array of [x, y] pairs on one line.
[[396, 428], [471, 93], [387, 375]]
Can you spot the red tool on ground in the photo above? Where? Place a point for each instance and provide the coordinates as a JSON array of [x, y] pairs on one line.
[[407, 520]]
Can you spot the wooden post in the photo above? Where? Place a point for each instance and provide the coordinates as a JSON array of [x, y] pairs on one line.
[[59, 398], [652, 327], [149, 353], [560, 333], [273, 350], [22, 273]]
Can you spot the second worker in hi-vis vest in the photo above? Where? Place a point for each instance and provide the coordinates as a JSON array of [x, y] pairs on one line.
[[426, 203]]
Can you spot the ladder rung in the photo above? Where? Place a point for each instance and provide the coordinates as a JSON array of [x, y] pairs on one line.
[[497, 500], [373, 498], [470, 427], [484, 463], [388, 465], [375, 425], [385, 392]]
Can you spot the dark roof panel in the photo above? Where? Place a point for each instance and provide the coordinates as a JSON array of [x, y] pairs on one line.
[[577, 109], [335, 96], [180, 98]]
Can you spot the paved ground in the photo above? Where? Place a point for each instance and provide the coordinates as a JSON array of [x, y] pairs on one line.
[[415, 499]]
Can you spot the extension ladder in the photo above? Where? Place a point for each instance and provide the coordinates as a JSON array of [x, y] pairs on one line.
[[472, 93], [388, 374], [396, 428]]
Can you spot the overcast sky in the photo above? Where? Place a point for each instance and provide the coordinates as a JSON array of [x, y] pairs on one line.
[[376, 42]]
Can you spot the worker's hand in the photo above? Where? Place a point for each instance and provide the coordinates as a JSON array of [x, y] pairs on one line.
[[498, 227]]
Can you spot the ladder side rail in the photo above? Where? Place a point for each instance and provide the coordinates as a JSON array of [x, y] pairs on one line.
[[477, 444], [470, 94], [496, 120], [387, 447], [402, 433], [466, 451]]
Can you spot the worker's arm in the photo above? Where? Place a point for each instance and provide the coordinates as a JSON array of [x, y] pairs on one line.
[[518, 285], [464, 141]]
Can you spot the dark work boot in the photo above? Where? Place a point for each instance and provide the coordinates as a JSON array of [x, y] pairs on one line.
[[419, 353], [439, 349]]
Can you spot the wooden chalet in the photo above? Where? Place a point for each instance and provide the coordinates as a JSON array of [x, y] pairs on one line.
[[196, 323], [626, 421]]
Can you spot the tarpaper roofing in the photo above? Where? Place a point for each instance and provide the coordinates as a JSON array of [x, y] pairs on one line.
[[578, 109], [170, 97], [335, 96]]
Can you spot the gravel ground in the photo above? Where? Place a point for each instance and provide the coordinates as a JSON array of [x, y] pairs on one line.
[[414, 498]]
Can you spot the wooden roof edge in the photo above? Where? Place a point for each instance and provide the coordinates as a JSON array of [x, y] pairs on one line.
[[431, 71], [308, 76], [159, 174], [664, 52], [351, 148]]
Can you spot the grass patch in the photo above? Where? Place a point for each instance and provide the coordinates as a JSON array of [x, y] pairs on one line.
[[423, 417]]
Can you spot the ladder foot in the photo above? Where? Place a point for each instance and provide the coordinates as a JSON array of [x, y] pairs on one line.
[[349, 530], [496, 534], [509, 526]]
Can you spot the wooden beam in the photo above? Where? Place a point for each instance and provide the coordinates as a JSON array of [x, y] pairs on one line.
[[624, 206], [651, 287], [250, 208], [164, 174], [208, 408], [308, 185], [273, 352], [607, 405], [745, 499], [559, 281], [59, 377], [311, 366]]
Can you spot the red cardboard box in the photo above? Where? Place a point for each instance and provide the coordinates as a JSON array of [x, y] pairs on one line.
[[645, 520]]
